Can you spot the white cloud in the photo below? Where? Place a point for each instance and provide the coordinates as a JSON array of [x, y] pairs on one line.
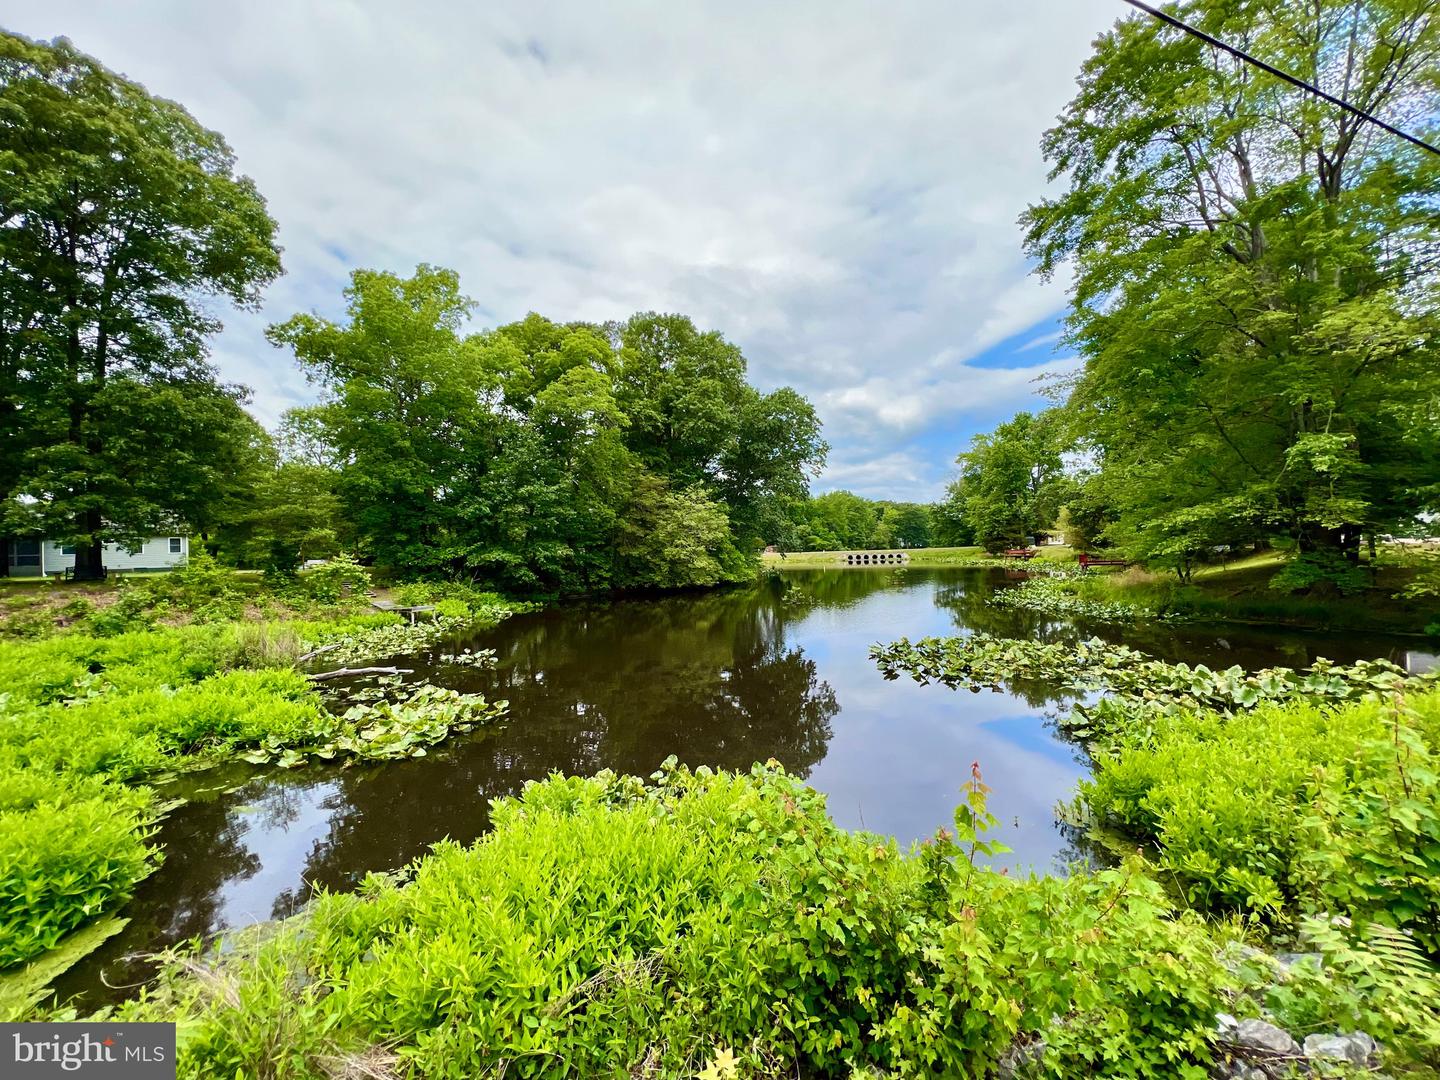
[[834, 186]]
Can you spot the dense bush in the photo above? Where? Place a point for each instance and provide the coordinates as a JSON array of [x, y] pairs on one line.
[[1287, 809], [338, 579], [82, 715], [68, 849], [607, 928]]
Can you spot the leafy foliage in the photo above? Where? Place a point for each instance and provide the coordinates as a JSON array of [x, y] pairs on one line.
[[84, 718], [122, 214], [384, 731], [543, 458], [1048, 594], [340, 578], [1012, 483], [842, 521], [607, 925], [1285, 805], [1255, 279]]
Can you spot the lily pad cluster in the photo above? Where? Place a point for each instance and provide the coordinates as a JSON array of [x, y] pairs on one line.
[[1132, 681], [396, 639], [1049, 596], [385, 730], [483, 659]]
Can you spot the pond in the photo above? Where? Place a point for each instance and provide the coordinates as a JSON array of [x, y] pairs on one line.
[[723, 678]]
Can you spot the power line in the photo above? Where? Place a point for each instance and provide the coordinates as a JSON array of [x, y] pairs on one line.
[[1262, 65]]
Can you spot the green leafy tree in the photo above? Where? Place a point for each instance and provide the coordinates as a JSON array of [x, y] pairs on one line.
[[293, 514], [695, 420], [909, 524], [673, 539], [1012, 481], [121, 214], [404, 410], [952, 527], [1255, 275]]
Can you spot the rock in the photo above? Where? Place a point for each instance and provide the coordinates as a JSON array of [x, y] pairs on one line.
[[1288, 960], [1237, 953], [1239, 1070], [1020, 1060], [1226, 1025], [1258, 1035], [1356, 1048]]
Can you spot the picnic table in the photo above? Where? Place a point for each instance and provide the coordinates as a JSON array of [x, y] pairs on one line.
[[1021, 553]]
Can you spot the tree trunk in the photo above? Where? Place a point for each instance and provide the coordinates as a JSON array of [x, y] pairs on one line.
[[90, 557]]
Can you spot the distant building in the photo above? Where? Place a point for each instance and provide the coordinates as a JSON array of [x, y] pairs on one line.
[[35, 557]]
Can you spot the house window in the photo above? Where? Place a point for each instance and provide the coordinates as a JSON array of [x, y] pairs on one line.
[[25, 553], [67, 549], [174, 545]]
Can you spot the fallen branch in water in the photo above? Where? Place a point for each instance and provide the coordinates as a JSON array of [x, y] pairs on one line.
[[340, 673], [316, 652]]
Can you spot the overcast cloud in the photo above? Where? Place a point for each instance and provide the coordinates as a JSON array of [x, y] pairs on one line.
[[833, 186]]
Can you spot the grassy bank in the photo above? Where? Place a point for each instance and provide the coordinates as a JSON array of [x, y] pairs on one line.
[[1239, 591], [918, 557], [108, 703], [1234, 591], [712, 925]]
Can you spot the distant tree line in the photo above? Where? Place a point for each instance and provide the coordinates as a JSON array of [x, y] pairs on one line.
[[843, 521], [536, 457]]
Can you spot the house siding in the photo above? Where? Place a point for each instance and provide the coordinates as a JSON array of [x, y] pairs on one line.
[[154, 554]]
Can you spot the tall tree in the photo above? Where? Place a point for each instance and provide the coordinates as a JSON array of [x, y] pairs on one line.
[[121, 215], [405, 407], [695, 420], [1012, 481], [1255, 274]]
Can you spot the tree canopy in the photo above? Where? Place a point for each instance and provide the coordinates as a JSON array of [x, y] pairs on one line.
[[546, 457], [1255, 276], [121, 215]]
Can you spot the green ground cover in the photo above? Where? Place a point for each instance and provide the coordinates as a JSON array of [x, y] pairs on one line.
[[107, 705], [721, 925]]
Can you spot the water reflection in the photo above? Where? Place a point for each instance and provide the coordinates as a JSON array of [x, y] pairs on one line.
[[722, 679]]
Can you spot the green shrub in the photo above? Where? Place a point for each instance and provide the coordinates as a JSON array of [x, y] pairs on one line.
[[1286, 808], [129, 612], [200, 586], [607, 928], [70, 848], [80, 714], [1323, 571], [339, 579], [451, 608], [415, 593]]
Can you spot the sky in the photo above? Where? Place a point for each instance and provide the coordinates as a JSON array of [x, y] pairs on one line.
[[833, 186]]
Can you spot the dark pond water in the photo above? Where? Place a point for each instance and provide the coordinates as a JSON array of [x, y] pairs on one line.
[[722, 679]]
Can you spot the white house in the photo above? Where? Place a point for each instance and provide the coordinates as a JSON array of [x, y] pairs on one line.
[[33, 557]]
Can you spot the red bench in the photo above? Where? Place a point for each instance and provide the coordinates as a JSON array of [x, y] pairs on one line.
[[1087, 561], [1021, 553]]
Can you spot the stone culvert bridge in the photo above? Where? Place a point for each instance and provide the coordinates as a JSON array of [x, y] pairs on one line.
[[874, 558]]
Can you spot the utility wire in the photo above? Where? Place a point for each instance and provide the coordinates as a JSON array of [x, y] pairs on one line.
[[1301, 83]]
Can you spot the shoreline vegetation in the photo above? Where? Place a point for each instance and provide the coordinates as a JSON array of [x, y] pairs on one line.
[[1254, 333], [720, 924], [1234, 591], [742, 930], [180, 672]]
